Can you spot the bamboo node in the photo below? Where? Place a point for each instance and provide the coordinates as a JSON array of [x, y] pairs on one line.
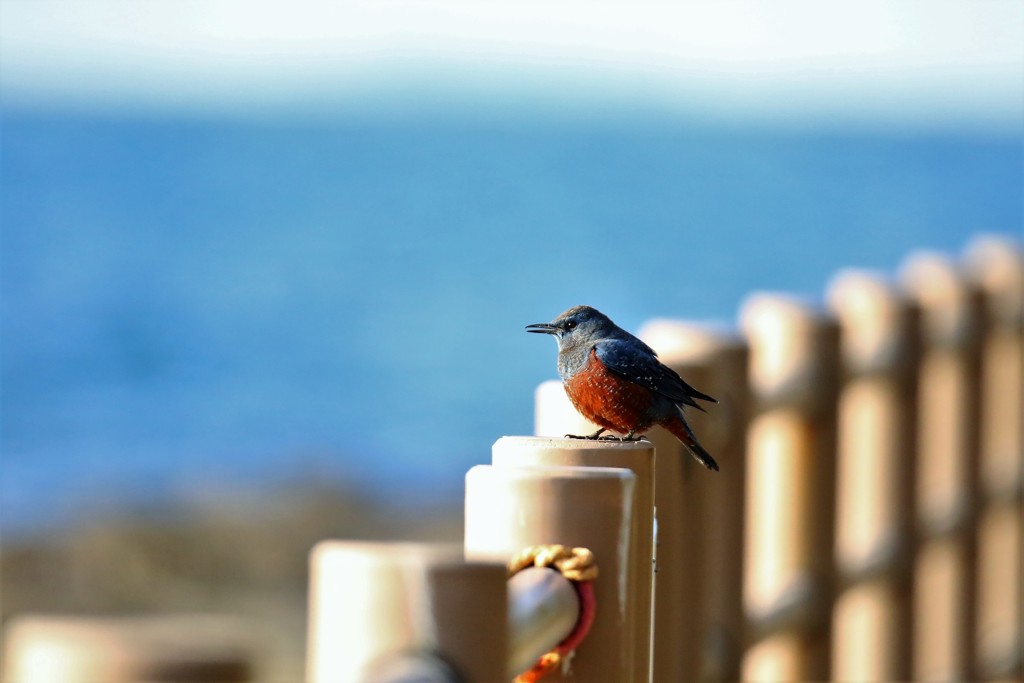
[[576, 565]]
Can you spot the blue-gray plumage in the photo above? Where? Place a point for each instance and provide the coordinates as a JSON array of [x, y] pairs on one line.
[[616, 381]]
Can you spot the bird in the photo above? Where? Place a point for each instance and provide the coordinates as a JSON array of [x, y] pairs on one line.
[[617, 382]]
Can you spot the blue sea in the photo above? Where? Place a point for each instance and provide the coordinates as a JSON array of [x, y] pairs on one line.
[[191, 303]]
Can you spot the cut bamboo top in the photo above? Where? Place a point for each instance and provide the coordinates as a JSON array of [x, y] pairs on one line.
[[688, 343], [793, 348], [875, 320], [938, 284], [997, 265]]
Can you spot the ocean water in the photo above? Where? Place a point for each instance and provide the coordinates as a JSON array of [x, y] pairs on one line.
[[192, 303]]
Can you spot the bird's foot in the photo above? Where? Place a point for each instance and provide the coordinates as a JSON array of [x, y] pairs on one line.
[[596, 436], [621, 439], [631, 436]]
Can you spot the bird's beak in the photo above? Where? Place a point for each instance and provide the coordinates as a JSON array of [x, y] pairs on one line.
[[542, 328]]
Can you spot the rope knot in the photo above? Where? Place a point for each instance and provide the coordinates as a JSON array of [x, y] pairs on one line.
[[575, 564]]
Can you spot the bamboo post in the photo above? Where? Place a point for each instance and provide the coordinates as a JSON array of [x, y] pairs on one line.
[[791, 488], [698, 604], [997, 267], [635, 456], [81, 649], [948, 431], [875, 525], [511, 508], [404, 611], [554, 415]]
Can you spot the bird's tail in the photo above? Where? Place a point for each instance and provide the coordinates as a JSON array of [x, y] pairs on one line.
[[681, 430]]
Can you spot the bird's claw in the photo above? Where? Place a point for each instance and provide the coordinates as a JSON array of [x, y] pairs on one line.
[[596, 436], [631, 437], [606, 437]]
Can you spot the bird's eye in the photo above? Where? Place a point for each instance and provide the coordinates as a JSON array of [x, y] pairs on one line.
[[570, 324]]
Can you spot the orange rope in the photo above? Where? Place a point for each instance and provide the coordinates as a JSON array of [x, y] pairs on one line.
[[577, 565]]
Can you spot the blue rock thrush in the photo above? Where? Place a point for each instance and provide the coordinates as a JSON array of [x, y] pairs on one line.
[[616, 381]]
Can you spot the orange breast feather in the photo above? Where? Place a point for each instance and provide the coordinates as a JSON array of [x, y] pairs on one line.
[[607, 399]]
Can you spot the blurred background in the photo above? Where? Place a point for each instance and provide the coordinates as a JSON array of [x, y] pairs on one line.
[[265, 269]]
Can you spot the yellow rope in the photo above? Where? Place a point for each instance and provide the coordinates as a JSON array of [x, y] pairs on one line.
[[575, 564]]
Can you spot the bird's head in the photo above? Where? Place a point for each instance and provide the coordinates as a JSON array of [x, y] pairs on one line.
[[578, 325]]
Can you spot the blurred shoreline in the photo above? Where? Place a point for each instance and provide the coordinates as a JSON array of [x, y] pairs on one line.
[[243, 554]]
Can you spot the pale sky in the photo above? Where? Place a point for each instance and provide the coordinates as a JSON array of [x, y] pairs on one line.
[[959, 63]]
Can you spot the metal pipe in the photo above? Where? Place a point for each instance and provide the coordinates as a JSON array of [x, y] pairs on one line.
[[543, 608], [417, 667]]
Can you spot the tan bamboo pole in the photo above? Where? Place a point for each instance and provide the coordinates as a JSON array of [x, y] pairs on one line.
[[948, 433], [554, 415], [875, 525], [699, 620], [87, 649], [513, 451], [996, 265], [380, 611], [512, 508], [788, 590]]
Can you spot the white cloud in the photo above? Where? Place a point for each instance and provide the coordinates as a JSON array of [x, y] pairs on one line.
[[955, 59]]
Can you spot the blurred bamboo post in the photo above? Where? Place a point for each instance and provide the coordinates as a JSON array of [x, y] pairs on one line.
[[875, 525], [635, 456], [699, 621], [949, 395], [86, 649], [997, 267], [509, 508], [788, 592], [554, 415], [404, 611]]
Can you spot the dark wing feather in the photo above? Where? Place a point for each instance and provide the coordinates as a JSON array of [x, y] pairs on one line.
[[635, 364]]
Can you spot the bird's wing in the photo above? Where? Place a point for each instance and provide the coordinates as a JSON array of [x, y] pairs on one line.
[[637, 365]]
